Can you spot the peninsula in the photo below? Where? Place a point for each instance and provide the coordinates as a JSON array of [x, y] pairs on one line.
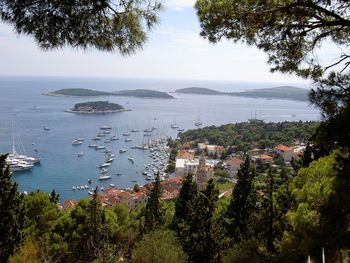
[[283, 92], [140, 93], [93, 107]]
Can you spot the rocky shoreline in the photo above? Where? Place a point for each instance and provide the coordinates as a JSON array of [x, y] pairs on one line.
[[96, 112]]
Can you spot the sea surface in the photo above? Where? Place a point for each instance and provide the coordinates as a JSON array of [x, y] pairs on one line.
[[22, 103]]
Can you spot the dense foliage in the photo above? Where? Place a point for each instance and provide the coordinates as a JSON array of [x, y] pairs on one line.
[[80, 92], [284, 92], [106, 25], [144, 93], [98, 106], [11, 212], [248, 135], [141, 93]]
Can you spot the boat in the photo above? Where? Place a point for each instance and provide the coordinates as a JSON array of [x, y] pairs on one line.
[[80, 139], [118, 174], [107, 140], [174, 125], [104, 165], [106, 132], [114, 138], [126, 133], [86, 186], [102, 189], [104, 170], [76, 142], [89, 181], [134, 181], [97, 138], [81, 154], [122, 150], [110, 159], [101, 134], [112, 185], [135, 130], [180, 130], [111, 155], [131, 159], [100, 147], [104, 177], [46, 128], [147, 130], [90, 192], [105, 127], [198, 122], [92, 145], [127, 140], [74, 188]]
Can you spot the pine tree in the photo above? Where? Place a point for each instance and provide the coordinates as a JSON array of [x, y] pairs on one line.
[[153, 212], [242, 203], [11, 212], [184, 204], [54, 197]]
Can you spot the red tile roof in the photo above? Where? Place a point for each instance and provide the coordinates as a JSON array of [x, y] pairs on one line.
[[263, 157], [185, 154], [283, 148], [233, 160], [68, 204]]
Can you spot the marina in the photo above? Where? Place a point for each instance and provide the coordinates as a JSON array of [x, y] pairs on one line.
[[61, 169]]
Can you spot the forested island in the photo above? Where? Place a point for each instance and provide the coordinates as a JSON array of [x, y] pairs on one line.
[[96, 107], [140, 93], [283, 92]]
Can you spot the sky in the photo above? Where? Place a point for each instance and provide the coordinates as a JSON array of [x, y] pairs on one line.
[[174, 51]]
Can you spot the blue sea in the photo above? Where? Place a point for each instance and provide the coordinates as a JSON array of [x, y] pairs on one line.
[[22, 103]]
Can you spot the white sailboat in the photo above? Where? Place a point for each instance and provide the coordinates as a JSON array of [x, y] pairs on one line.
[[198, 122]]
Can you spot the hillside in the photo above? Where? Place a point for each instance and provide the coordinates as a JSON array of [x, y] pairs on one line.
[[141, 93], [198, 90], [96, 107], [283, 92], [78, 93]]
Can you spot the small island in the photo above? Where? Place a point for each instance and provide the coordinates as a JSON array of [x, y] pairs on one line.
[[139, 93], [94, 107], [283, 92]]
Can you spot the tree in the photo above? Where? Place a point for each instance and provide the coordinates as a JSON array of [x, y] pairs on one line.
[[290, 32], [106, 25], [54, 197], [242, 203], [158, 247], [153, 212], [11, 212], [321, 214]]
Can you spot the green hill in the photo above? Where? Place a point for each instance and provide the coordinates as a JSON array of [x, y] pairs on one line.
[[141, 93], [198, 90], [283, 92]]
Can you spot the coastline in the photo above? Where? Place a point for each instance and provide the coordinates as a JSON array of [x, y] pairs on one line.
[[70, 96], [95, 112]]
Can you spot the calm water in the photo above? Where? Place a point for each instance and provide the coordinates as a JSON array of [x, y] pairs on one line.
[[22, 102]]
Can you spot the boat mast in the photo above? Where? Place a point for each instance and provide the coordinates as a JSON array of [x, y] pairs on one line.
[[13, 140]]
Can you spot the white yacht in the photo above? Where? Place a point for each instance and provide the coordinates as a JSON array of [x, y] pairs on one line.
[[104, 177]]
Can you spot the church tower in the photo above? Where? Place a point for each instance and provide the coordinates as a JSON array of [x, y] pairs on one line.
[[201, 176]]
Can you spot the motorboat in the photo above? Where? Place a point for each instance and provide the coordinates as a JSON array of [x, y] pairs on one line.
[[104, 165], [76, 142], [104, 177], [122, 151], [105, 127]]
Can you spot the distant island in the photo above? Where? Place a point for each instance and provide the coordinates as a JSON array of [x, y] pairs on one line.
[[283, 92], [140, 93], [92, 107]]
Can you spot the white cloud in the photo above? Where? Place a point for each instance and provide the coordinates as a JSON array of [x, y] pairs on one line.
[[179, 4]]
